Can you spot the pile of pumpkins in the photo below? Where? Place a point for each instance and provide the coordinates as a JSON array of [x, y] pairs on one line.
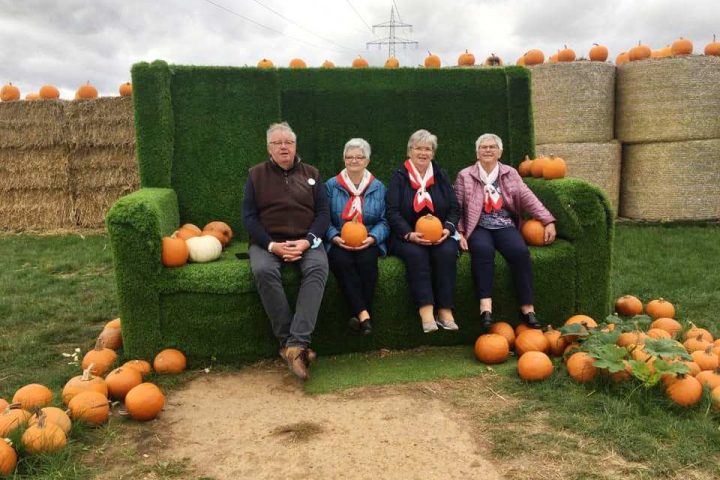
[[700, 352], [45, 428], [11, 93], [549, 168], [678, 48], [189, 242]]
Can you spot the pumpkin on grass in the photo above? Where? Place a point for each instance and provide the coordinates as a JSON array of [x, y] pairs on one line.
[[43, 437], [556, 341], [142, 366], [360, 62], [84, 383], [186, 232], [685, 391], [670, 325], [90, 407], [12, 418], [219, 230], [531, 340], [8, 457], [491, 348], [581, 368], [534, 366], [144, 402], [706, 359], [711, 378], [533, 232], [554, 168], [102, 358], [121, 380], [175, 252], [353, 233], [628, 305], [432, 61], [504, 329], [33, 395], [111, 338], [660, 308], [3, 404], [114, 323], [170, 360], [430, 227], [694, 331], [53, 415], [204, 249]]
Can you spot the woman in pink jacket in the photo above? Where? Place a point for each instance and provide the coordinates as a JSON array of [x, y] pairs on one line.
[[492, 198]]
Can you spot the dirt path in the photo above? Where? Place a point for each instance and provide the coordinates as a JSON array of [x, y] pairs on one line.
[[258, 423]]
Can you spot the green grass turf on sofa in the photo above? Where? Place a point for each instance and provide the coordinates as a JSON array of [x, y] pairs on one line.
[[200, 128]]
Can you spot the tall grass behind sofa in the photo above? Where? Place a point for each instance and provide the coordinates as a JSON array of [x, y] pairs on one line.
[[198, 131]]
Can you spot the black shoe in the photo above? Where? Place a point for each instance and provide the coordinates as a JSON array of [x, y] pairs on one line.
[[530, 320], [354, 324], [486, 320], [365, 327]]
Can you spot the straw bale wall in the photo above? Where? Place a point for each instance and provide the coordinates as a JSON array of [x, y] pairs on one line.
[[668, 99], [597, 163], [668, 181], [573, 102]]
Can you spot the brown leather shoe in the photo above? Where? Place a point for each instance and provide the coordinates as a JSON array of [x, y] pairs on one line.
[[297, 360], [311, 355]]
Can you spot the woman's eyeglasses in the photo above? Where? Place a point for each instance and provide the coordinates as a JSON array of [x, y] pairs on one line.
[[356, 158]]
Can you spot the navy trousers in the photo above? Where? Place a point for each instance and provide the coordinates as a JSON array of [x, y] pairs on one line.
[[356, 272]]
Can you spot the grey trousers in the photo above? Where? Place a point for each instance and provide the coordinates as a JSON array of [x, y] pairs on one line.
[[291, 330]]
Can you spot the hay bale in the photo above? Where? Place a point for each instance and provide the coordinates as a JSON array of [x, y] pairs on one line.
[[671, 181], [40, 168], [103, 166], [668, 100], [32, 124], [100, 122], [573, 102], [91, 206], [596, 163], [40, 209]]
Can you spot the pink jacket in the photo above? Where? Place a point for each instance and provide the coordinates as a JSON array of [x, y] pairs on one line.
[[517, 198]]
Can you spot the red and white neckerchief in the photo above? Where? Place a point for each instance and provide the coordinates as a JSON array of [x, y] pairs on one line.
[[354, 205], [422, 197], [492, 201]]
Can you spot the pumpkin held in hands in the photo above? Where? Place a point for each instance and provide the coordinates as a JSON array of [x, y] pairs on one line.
[[353, 233], [430, 227]]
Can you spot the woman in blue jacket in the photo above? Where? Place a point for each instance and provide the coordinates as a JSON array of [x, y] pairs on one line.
[[356, 193]]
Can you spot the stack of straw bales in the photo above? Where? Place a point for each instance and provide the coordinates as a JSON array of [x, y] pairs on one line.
[[574, 110], [668, 118], [34, 173]]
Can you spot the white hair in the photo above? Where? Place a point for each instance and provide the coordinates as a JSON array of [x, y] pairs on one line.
[[360, 143], [280, 126], [422, 136], [488, 136]]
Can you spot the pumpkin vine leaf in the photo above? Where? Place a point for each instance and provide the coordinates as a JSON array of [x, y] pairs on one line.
[[665, 348], [599, 337], [575, 330], [609, 356], [644, 373], [672, 368]]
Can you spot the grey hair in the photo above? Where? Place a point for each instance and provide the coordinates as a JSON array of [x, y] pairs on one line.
[[422, 136], [360, 143], [280, 126], [488, 136]]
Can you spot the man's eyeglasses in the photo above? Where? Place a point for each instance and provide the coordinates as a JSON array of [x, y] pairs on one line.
[[357, 158], [287, 143], [488, 147]]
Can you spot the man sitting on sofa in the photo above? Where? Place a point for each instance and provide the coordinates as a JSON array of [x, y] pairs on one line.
[[286, 213]]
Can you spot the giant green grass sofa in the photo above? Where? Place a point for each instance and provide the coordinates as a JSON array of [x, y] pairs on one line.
[[199, 129]]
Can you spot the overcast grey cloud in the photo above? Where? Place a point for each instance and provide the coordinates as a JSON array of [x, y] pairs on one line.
[[69, 42]]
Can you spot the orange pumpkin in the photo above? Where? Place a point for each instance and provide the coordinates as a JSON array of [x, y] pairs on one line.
[[430, 227], [392, 62], [531, 340], [533, 232], [504, 329], [536, 169], [659, 334], [706, 359], [553, 58], [8, 457], [185, 233], [9, 93], [169, 360], [586, 321], [492, 61], [83, 383], [491, 348], [141, 366], [353, 233], [715, 398], [556, 341], [86, 91], [685, 391], [53, 415], [297, 63], [101, 357], [90, 407], [694, 331], [639, 52], [360, 62], [566, 55], [623, 57], [630, 338], [32, 396], [144, 402], [598, 53], [711, 378], [681, 46], [49, 92], [696, 343], [660, 308], [525, 167], [628, 305], [534, 57], [125, 89], [670, 325], [3, 404], [466, 59], [554, 167], [219, 230], [265, 63], [111, 338], [520, 61], [533, 366], [43, 437], [432, 61], [328, 64], [32, 96], [713, 48], [121, 380], [581, 367], [12, 418], [175, 252]]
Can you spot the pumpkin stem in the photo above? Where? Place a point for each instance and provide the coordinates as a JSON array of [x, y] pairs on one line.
[[709, 349], [87, 373], [99, 344], [42, 417], [13, 406]]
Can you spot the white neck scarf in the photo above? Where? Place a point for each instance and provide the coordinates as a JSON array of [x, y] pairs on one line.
[[420, 184], [354, 205], [491, 199]]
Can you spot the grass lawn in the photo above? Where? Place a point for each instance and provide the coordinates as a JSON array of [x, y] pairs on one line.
[[56, 293]]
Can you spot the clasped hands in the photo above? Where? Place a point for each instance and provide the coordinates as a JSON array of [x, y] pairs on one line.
[[417, 237], [337, 240], [290, 250]]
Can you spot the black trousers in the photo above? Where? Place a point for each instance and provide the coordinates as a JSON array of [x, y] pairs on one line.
[[430, 271], [357, 273], [511, 245]]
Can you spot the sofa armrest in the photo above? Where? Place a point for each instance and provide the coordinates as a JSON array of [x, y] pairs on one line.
[[136, 224], [585, 218]]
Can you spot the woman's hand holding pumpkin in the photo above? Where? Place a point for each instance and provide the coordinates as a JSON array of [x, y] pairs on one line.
[[445, 235], [550, 233], [416, 237]]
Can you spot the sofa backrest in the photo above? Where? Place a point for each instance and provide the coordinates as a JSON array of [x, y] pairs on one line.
[[199, 129]]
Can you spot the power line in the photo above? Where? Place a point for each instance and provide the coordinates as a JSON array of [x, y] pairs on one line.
[[391, 40], [359, 16], [300, 26], [232, 12], [397, 11]]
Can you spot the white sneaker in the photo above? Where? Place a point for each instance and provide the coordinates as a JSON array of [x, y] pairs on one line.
[[447, 324]]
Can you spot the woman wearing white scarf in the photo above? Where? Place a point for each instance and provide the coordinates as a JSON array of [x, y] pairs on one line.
[[493, 198], [417, 188], [355, 193]]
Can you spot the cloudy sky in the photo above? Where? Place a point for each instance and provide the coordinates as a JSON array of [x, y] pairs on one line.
[[69, 42]]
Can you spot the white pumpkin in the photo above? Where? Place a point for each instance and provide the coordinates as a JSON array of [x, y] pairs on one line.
[[204, 248]]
